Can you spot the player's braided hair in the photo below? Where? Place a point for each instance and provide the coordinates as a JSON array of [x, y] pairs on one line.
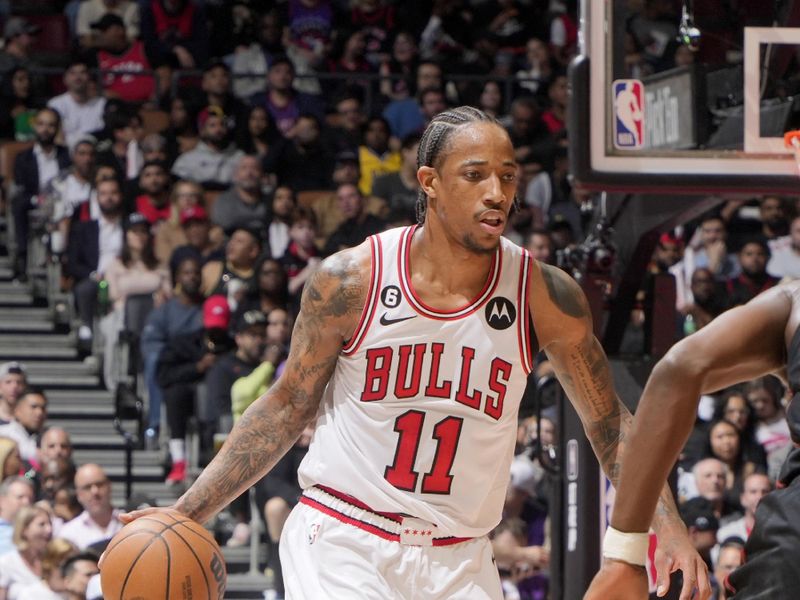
[[434, 142]]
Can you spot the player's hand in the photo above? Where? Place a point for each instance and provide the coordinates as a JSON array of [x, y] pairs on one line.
[[618, 580], [676, 553]]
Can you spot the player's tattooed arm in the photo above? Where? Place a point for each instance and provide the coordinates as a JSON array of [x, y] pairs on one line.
[[583, 370], [331, 304]]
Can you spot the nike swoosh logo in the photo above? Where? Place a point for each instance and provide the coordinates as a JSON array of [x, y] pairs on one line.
[[387, 321]]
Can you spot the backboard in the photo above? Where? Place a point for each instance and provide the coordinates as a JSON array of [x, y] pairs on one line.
[[686, 97]]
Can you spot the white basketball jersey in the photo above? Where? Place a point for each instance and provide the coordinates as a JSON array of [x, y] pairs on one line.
[[420, 415]]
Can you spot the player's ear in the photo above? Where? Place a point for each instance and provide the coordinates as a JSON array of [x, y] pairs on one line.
[[427, 178]]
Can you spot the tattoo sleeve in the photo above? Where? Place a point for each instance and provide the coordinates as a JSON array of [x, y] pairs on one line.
[[583, 370], [332, 302]]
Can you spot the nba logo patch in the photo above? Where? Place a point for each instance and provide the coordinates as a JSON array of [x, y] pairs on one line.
[[628, 114]]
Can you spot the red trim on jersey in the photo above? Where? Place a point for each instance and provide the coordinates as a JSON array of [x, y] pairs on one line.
[[404, 272], [367, 314], [368, 527], [524, 323]]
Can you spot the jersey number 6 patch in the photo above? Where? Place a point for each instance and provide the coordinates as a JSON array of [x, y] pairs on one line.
[[401, 473]]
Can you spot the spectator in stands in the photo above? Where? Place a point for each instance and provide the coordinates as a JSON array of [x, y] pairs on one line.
[[710, 477], [254, 59], [278, 493], [306, 161], [754, 488], [81, 111], [170, 233], [301, 258], [211, 162], [51, 586], [13, 380], [154, 201], [134, 272], [10, 460], [347, 133], [774, 223], [270, 290], [400, 189], [199, 242], [734, 408], [33, 170], [772, 431], [555, 116], [405, 116], [491, 99], [154, 148], [538, 69], [69, 192], [78, 571], [99, 520], [18, 105], [182, 131], [93, 11], [710, 251], [785, 253], [216, 88], [279, 333], [23, 565], [250, 335], [326, 206], [283, 205], [374, 155], [432, 101], [30, 413], [284, 104], [377, 20], [709, 300], [235, 273], [183, 363], [540, 245], [175, 30], [310, 30], [55, 474], [116, 52], [180, 315], [731, 556], [403, 65], [244, 204], [19, 36], [526, 129], [349, 58], [259, 137], [358, 223], [125, 127], [447, 34], [93, 246], [753, 278], [702, 521], [16, 492], [725, 444]]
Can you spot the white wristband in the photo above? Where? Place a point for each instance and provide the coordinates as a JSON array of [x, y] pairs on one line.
[[627, 547]]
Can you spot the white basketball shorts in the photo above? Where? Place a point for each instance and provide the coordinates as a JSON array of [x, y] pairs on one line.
[[333, 547]]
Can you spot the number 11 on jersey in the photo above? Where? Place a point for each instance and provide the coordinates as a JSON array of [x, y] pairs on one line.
[[401, 473]]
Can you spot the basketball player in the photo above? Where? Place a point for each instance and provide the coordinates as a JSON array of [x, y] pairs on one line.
[[758, 338], [411, 351]]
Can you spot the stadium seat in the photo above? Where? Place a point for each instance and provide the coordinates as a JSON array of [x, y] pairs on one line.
[[154, 120]]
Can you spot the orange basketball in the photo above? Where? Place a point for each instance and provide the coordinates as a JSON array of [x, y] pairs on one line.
[[166, 556]]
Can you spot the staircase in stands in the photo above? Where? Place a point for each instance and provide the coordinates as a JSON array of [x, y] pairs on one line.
[[82, 406]]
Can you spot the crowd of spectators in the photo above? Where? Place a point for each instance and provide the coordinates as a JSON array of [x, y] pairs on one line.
[[198, 160]]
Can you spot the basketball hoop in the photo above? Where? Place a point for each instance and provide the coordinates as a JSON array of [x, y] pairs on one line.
[[791, 139]]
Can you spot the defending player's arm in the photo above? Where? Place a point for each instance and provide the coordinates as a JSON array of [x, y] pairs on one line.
[[564, 327], [331, 305], [741, 344]]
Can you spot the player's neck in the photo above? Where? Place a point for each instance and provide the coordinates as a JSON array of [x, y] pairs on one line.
[[455, 269]]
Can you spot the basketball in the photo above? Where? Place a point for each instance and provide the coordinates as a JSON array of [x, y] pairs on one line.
[[163, 555]]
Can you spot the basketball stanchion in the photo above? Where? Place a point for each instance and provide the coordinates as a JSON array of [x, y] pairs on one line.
[[791, 140]]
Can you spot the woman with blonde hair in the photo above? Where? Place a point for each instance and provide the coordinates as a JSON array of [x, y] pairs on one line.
[[10, 460], [169, 234], [25, 565], [58, 550]]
